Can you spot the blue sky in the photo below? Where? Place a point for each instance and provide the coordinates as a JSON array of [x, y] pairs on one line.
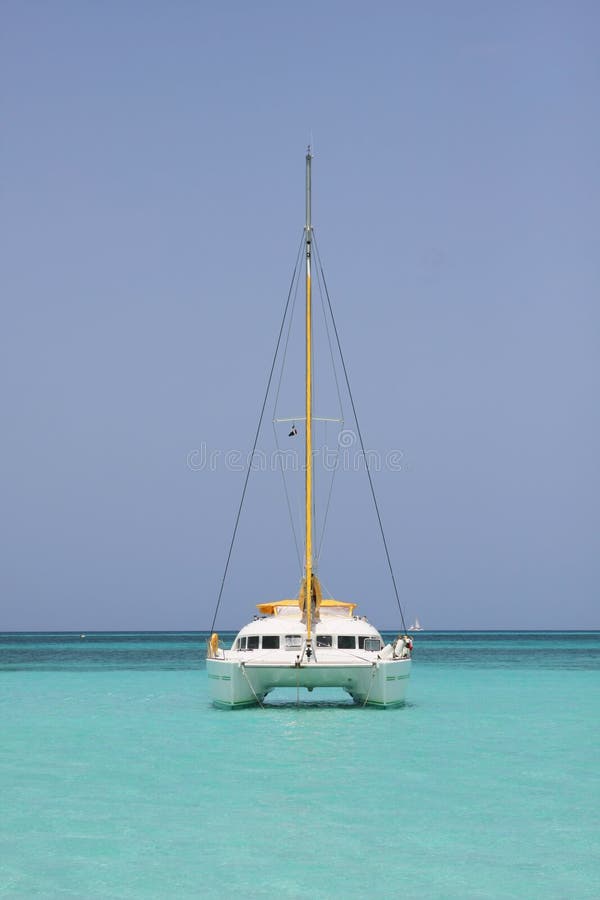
[[152, 162]]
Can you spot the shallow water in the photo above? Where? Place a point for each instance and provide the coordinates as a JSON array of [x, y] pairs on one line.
[[119, 780]]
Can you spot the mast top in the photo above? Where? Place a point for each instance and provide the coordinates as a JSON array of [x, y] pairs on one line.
[[308, 226]]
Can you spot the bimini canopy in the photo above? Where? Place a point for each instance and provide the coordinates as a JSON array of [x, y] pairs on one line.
[[277, 606]]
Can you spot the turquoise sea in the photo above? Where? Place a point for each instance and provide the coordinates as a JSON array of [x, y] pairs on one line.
[[119, 780]]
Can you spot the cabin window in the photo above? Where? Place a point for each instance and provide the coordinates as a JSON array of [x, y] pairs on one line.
[[369, 643], [324, 640], [270, 642], [241, 643], [293, 641], [253, 642], [346, 642]]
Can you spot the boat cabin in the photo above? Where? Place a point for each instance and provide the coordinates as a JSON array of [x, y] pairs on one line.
[[294, 642], [282, 627]]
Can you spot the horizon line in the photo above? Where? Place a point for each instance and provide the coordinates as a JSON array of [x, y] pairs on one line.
[[224, 629]]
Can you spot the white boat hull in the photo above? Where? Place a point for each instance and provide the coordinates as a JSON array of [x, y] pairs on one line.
[[234, 683]]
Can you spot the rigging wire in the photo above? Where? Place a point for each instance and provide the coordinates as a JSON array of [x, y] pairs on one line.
[[362, 446], [341, 408], [276, 401], [260, 419], [296, 282]]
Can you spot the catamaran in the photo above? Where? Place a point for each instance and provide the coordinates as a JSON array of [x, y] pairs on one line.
[[309, 641]]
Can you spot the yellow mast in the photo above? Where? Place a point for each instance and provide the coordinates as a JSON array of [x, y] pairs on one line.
[[308, 565]]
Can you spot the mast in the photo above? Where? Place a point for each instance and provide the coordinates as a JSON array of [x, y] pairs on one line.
[[308, 565]]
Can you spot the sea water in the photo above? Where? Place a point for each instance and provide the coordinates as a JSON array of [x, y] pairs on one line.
[[118, 779]]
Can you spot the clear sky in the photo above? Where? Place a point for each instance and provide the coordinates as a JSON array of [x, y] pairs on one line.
[[152, 166]]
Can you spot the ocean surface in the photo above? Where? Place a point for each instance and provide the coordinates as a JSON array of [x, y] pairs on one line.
[[118, 779]]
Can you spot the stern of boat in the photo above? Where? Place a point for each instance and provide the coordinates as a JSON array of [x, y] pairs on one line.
[[228, 686], [386, 685]]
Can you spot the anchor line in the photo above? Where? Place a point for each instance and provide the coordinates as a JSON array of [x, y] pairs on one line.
[[243, 668], [374, 672]]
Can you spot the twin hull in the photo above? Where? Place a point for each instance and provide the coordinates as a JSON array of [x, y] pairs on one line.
[[235, 684]]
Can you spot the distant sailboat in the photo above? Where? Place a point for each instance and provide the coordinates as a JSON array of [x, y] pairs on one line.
[[416, 627]]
